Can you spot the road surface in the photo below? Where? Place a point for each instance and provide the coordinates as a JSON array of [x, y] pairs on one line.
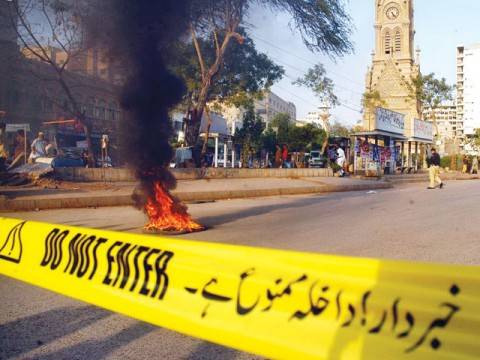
[[408, 222]]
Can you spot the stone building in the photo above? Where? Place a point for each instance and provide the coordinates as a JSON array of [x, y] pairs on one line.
[[31, 93], [394, 63]]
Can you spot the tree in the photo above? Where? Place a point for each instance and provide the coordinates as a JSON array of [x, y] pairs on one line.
[[340, 130], [430, 94], [306, 138], [269, 139], [370, 101], [250, 135], [316, 80], [41, 26], [476, 138], [282, 125], [242, 78], [323, 25]]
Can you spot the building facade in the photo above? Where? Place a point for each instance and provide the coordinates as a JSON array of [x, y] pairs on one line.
[[272, 105], [468, 87], [31, 93], [449, 127], [393, 63], [314, 118]]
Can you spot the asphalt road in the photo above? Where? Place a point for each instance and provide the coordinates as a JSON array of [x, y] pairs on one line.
[[408, 222]]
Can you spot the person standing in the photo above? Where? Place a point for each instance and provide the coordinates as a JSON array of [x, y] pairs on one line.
[[284, 154], [39, 147], [465, 164], [434, 170], [278, 156], [3, 146], [340, 160], [474, 165]]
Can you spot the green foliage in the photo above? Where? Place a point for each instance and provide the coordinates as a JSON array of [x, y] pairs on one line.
[[282, 124], [446, 162], [297, 138], [269, 140], [250, 135], [476, 138], [316, 80], [453, 162], [431, 92], [323, 25], [371, 100], [306, 138], [243, 77], [340, 130]]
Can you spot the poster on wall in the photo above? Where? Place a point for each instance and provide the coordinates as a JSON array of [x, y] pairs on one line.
[[423, 130], [390, 121]]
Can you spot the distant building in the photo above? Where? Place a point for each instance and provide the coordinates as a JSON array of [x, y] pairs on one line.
[[449, 127], [267, 108], [272, 105], [27, 97], [468, 87], [313, 117], [92, 62]]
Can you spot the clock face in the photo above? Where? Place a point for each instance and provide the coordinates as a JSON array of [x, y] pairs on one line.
[[393, 12]]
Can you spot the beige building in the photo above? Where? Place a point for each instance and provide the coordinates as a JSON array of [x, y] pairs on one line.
[[449, 126], [272, 104], [393, 64], [29, 94], [314, 118]]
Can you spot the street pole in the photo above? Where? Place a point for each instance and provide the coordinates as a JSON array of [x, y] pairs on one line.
[[216, 152], [409, 155], [416, 156], [25, 142], [225, 154]]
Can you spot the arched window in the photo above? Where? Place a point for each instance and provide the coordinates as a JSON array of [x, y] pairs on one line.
[[101, 110], [398, 41], [90, 107], [388, 42]]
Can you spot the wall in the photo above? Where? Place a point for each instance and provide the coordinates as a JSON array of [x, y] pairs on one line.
[[125, 175]]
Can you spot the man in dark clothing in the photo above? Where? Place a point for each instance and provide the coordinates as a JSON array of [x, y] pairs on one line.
[[434, 170]]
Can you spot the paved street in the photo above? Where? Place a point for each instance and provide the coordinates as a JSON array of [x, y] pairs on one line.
[[408, 222]]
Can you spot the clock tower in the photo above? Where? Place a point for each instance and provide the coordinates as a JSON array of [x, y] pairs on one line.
[[393, 61]]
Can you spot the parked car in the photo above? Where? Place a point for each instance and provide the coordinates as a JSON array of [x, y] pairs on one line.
[[316, 159]]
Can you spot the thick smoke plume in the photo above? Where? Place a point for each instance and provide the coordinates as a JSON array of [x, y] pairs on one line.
[[137, 35]]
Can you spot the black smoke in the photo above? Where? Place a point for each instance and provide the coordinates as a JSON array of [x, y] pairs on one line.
[[137, 35]]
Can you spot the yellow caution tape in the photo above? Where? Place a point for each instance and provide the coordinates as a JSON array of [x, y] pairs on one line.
[[279, 304]]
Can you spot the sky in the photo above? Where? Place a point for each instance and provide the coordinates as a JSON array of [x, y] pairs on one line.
[[441, 25]]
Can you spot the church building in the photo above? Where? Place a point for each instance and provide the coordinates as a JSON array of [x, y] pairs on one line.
[[394, 63]]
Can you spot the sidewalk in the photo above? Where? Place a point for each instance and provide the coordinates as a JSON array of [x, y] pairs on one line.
[[423, 177], [83, 195]]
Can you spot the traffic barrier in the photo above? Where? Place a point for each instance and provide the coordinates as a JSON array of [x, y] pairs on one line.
[[279, 304]]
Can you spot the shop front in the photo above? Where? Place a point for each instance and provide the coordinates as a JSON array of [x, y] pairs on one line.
[[379, 151], [418, 143]]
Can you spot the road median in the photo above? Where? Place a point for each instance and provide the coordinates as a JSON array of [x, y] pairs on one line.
[[187, 191]]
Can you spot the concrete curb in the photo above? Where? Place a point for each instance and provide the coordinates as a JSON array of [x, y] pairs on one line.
[[444, 176], [126, 200]]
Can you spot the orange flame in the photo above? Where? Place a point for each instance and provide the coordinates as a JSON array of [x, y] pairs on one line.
[[165, 213]]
